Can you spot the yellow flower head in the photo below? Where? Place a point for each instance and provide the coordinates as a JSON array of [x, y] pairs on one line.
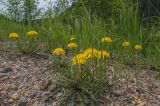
[[138, 47], [106, 40], [32, 33], [103, 54], [13, 35], [59, 51], [72, 45], [72, 38], [125, 44], [91, 52], [79, 59]]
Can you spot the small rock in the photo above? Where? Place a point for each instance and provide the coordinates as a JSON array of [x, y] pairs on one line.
[[21, 78], [3, 92], [6, 70], [4, 99], [2, 88], [22, 101], [43, 85], [140, 90], [14, 96], [51, 87], [118, 93], [39, 104], [46, 93], [10, 100], [129, 99], [36, 94]]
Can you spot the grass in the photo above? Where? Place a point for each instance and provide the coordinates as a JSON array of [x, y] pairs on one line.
[[75, 83]]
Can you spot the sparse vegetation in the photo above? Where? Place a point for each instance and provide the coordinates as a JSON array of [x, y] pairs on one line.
[[93, 46]]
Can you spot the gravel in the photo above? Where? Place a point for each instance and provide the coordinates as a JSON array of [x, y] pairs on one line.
[[24, 78]]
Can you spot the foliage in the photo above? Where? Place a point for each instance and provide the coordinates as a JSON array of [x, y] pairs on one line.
[[25, 44], [25, 10], [86, 37]]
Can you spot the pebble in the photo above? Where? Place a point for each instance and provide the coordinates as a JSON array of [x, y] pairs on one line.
[[22, 101], [6, 70], [14, 97], [36, 94], [2, 88], [21, 78], [11, 101], [42, 85], [51, 87], [39, 104]]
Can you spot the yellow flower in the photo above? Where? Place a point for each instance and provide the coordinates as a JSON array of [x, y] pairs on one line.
[[103, 54], [125, 44], [72, 45], [106, 40], [59, 51], [79, 59], [32, 33], [91, 52], [13, 35], [138, 46], [72, 38]]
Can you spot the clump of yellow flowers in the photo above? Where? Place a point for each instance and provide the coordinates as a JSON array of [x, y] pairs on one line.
[[13, 35], [106, 40], [125, 44], [72, 45], [72, 38], [89, 53], [79, 59], [138, 47], [32, 33], [103, 54], [58, 51]]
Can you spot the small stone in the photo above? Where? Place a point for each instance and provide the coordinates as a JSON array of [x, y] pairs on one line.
[[36, 94], [140, 90], [2, 88], [51, 87], [129, 99], [39, 104], [14, 96], [4, 99], [21, 78], [22, 101], [6, 70], [46, 93], [10, 100], [117, 93], [3, 92], [42, 85]]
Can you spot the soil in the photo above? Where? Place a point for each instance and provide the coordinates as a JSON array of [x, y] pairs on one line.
[[25, 83]]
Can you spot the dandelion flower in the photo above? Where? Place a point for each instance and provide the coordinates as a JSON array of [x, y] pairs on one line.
[[59, 51], [32, 33], [106, 40], [72, 45], [138, 47], [72, 38], [103, 54], [91, 52], [125, 44], [79, 59], [13, 35]]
